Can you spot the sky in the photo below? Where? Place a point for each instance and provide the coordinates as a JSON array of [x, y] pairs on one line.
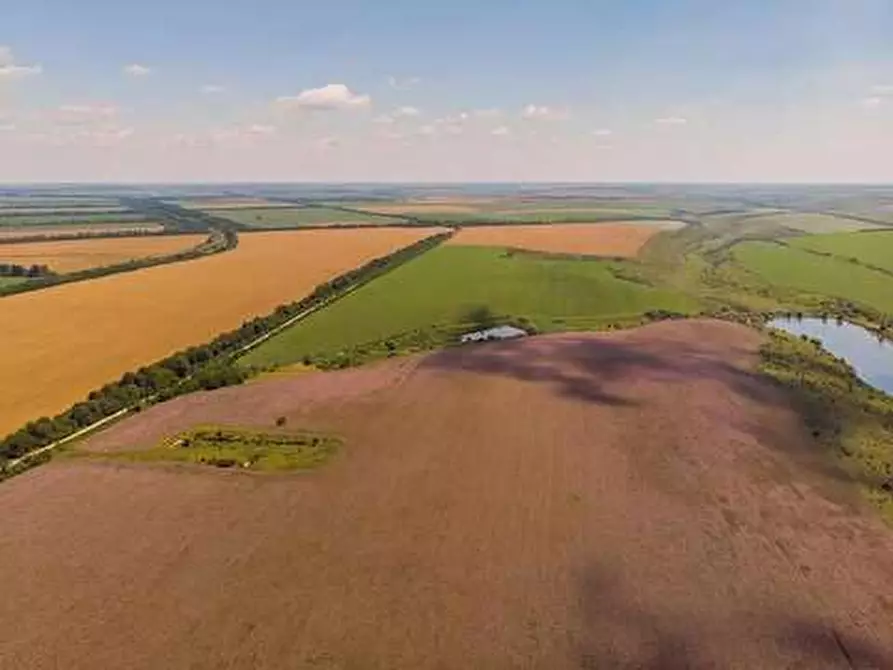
[[466, 90]]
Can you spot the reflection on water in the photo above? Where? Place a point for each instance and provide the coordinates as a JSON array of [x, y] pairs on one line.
[[872, 359]]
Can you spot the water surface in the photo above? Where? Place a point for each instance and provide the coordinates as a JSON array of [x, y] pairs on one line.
[[872, 359]]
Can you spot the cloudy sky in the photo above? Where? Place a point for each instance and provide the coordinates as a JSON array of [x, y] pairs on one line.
[[466, 90]]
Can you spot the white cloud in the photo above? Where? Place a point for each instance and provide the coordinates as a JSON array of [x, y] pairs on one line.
[[211, 89], [329, 97], [7, 127], [84, 113], [490, 113], [403, 84], [402, 112], [501, 131], [543, 113], [137, 70], [871, 103], [671, 121], [11, 69], [329, 143], [603, 132], [427, 130], [882, 89], [383, 119], [260, 129]]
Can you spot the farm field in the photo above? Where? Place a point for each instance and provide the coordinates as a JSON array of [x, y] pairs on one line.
[[813, 223], [8, 233], [446, 285], [872, 248], [604, 239], [66, 256], [209, 204], [298, 216], [71, 218], [68, 340], [579, 515], [797, 269]]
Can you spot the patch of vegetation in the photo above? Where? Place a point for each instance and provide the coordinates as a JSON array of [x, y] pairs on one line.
[[846, 416], [869, 248], [238, 448], [428, 300], [23, 218]]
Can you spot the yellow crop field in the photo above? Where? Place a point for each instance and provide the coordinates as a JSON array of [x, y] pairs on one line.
[[60, 343], [596, 239], [65, 256]]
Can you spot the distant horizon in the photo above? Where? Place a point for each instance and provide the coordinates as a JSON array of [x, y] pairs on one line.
[[309, 182]]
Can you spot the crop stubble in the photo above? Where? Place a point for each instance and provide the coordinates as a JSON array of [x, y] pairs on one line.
[[62, 342], [628, 500], [601, 239]]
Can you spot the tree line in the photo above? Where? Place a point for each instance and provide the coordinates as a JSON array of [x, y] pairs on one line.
[[205, 367], [25, 271]]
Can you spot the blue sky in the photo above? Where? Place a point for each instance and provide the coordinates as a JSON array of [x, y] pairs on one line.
[[787, 90]]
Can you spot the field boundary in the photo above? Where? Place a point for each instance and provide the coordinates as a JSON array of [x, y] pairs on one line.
[[202, 367]]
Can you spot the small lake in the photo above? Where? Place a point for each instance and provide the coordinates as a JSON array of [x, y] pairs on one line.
[[871, 359]]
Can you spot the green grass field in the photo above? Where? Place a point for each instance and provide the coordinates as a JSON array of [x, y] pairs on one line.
[[871, 248], [442, 287], [798, 269], [6, 282], [297, 217]]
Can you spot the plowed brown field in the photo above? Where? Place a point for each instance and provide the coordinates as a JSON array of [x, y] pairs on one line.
[[597, 239], [632, 500], [72, 255], [60, 343]]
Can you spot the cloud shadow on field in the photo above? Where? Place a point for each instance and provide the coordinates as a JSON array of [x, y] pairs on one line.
[[620, 632], [594, 369]]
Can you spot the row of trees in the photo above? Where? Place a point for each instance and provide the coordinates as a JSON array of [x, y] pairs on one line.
[[208, 366], [86, 235], [28, 271], [174, 217]]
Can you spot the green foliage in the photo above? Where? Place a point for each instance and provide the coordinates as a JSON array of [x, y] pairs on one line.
[[451, 287], [228, 447], [287, 217], [845, 415]]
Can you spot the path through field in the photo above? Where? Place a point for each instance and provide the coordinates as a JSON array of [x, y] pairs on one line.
[[632, 500]]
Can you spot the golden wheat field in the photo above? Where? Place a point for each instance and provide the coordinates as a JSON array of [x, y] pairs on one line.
[[51, 230], [65, 256], [596, 239], [62, 342]]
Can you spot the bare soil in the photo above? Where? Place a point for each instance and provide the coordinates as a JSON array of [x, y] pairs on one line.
[[629, 500]]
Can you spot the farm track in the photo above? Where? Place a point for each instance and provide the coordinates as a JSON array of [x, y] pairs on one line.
[[640, 499]]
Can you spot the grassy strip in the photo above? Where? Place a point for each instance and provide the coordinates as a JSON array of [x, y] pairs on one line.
[[847, 417], [217, 242], [227, 447], [207, 367], [88, 235]]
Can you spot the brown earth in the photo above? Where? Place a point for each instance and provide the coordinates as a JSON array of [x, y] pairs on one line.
[[629, 500], [60, 343], [603, 239], [64, 256]]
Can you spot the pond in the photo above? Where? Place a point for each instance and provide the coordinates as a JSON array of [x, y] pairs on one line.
[[872, 359]]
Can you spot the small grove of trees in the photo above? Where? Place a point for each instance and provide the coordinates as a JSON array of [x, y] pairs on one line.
[[204, 367], [30, 271]]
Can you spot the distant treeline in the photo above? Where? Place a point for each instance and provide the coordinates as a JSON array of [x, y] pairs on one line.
[[208, 366], [174, 217], [27, 271], [88, 235], [217, 242]]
